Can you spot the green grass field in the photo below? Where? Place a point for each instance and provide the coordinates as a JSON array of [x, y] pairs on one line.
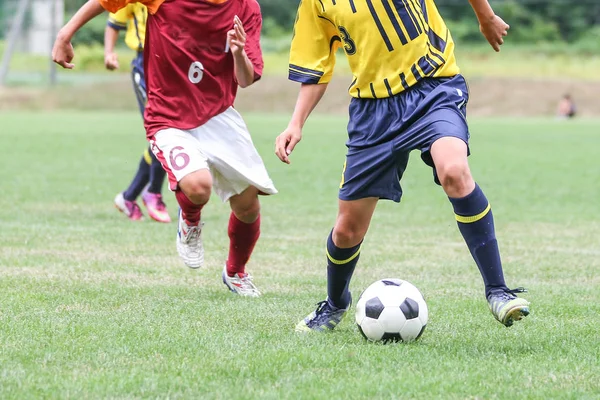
[[95, 306]]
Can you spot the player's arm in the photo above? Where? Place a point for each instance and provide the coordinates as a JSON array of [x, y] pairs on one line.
[[249, 62], [116, 23], [243, 66], [308, 98], [111, 60], [312, 59], [491, 25], [62, 52]]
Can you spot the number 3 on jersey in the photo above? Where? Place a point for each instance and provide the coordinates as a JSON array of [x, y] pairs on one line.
[[349, 44], [196, 72]]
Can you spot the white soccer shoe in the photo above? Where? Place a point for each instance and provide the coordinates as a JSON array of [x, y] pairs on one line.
[[189, 243], [241, 285]]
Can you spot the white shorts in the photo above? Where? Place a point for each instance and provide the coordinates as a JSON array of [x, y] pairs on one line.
[[223, 146]]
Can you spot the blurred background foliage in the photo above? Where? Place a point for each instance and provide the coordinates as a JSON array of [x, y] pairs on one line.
[[560, 22], [551, 28]]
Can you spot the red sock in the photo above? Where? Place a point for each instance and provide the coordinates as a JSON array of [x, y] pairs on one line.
[[242, 238], [189, 210]]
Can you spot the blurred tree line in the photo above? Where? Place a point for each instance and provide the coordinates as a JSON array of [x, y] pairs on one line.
[[575, 23], [532, 21]]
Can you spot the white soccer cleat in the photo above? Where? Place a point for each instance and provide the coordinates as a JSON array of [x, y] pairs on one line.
[[189, 243], [241, 285]]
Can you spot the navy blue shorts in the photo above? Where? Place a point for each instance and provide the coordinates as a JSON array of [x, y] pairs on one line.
[[139, 81], [382, 133]]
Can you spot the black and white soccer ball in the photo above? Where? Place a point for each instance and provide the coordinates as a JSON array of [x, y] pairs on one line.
[[391, 310]]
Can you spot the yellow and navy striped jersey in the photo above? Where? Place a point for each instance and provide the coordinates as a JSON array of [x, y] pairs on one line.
[[133, 18], [390, 44]]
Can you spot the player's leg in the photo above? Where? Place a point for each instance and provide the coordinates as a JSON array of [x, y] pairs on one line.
[[139, 81], [152, 195], [157, 177], [476, 224], [371, 172], [342, 251], [448, 154], [239, 174], [343, 247], [192, 194], [243, 231], [441, 131], [126, 200], [190, 179]]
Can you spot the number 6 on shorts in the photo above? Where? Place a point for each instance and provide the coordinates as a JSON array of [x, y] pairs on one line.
[[178, 158]]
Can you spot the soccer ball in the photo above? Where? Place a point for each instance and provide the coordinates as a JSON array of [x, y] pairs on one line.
[[391, 310]]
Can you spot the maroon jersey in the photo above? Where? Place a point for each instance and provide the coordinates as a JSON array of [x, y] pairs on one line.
[[189, 68]]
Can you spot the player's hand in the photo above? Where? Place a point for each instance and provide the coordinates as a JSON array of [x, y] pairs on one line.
[[236, 37], [111, 61], [494, 29], [286, 141], [62, 52]]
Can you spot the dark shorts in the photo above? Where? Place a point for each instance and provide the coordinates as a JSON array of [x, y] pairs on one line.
[[382, 133], [139, 81]]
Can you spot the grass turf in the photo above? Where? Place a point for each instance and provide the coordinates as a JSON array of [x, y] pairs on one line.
[[95, 306]]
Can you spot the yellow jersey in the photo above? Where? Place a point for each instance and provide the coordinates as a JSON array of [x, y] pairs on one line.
[[132, 18], [390, 44]]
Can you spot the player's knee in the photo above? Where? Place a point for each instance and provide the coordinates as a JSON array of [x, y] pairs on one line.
[[197, 190], [247, 212], [455, 177], [347, 235], [198, 193]]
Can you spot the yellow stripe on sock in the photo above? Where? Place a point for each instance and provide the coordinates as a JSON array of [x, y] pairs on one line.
[[474, 218], [147, 157], [346, 261]]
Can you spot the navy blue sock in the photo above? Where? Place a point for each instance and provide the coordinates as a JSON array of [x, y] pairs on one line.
[[476, 224], [157, 175], [139, 181], [340, 267]]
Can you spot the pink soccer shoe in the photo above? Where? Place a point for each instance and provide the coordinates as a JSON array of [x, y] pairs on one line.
[[156, 207], [129, 208]]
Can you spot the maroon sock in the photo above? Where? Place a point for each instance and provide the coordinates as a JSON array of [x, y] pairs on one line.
[[242, 238], [189, 210]]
